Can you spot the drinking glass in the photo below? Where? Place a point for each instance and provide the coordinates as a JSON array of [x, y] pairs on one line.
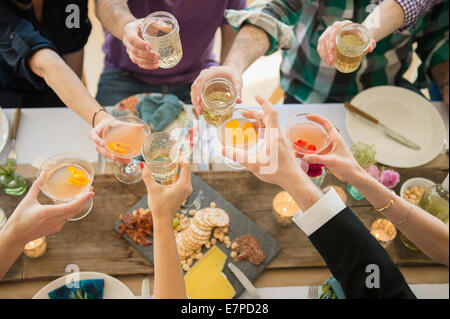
[[66, 177], [124, 137], [161, 152], [219, 97], [352, 42], [240, 130], [307, 137], [160, 29]]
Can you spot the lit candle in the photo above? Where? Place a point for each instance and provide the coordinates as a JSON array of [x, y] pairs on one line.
[[284, 207], [2, 218], [384, 231], [36, 248]]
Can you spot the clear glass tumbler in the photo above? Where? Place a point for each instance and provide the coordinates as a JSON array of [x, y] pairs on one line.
[[160, 29]]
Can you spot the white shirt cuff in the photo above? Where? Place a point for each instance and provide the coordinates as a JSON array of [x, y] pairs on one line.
[[321, 212]]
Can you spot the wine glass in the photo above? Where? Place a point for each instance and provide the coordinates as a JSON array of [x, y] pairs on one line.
[[66, 177], [124, 137], [240, 130], [307, 137], [161, 152]]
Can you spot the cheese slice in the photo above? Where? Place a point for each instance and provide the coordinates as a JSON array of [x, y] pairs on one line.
[[205, 280]]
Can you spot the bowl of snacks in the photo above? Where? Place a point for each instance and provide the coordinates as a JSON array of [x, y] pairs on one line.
[[413, 189]]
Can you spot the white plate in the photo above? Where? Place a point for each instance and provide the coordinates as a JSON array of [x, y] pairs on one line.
[[4, 130], [406, 113], [113, 289], [415, 181]]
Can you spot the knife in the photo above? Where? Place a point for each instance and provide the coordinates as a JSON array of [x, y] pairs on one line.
[[389, 132], [244, 281], [12, 156]]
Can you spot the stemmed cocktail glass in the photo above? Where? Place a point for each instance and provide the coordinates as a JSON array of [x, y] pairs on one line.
[[124, 137], [240, 131], [66, 177], [307, 137]]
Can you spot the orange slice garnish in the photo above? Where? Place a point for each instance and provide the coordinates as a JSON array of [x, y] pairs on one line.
[[232, 124], [120, 148], [77, 177]]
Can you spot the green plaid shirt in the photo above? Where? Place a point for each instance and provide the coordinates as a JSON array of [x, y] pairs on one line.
[[296, 25]]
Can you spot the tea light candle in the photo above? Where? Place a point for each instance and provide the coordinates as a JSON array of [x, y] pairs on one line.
[[36, 248], [2, 218], [284, 207], [383, 230]]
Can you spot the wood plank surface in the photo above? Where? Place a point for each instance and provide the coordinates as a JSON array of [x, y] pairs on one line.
[[92, 244]]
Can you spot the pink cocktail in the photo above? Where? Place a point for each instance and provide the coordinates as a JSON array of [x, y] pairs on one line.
[[307, 137], [66, 177], [124, 137]]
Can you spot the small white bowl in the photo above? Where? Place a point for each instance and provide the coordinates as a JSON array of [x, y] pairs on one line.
[[416, 181]]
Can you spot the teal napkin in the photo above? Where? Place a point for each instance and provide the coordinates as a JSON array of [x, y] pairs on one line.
[[87, 289], [331, 289], [159, 110]]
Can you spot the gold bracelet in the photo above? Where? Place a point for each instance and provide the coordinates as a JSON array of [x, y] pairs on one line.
[[405, 218], [95, 114], [388, 205]]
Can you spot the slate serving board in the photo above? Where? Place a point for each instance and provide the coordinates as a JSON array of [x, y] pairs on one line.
[[239, 225]]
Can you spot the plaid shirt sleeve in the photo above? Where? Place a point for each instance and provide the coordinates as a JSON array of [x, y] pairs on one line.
[[276, 18], [413, 9]]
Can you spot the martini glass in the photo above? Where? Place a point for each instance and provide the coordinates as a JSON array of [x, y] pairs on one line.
[[66, 177], [307, 137], [161, 152], [241, 131], [124, 137]]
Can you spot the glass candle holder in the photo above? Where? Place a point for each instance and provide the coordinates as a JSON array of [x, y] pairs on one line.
[[36, 248], [352, 43], [3, 218], [160, 29], [383, 231], [219, 97], [284, 208], [161, 153]]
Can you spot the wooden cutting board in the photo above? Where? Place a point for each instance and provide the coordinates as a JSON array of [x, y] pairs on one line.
[[92, 244]]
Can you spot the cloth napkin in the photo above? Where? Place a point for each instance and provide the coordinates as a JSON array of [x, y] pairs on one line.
[[159, 110], [331, 289], [84, 289]]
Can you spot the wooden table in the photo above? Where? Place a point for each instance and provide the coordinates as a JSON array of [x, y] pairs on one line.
[[261, 195]]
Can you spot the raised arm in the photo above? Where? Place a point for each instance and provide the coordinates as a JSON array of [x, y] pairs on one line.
[[427, 232], [164, 201], [344, 242], [116, 17]]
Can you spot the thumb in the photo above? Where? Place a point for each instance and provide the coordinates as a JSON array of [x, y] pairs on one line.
[[73, 208], [34, 190], [318, 159], [147, 176]]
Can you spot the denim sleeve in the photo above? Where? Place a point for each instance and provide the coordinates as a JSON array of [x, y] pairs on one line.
[[19, 40]]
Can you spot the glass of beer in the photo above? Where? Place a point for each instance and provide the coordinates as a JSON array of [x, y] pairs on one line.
[[352, 42], [160, 29], [161, 153]]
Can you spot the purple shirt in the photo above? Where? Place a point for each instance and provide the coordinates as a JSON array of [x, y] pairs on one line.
[[198, 21]]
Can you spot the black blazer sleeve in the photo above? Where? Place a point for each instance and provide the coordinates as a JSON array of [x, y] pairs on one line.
[[348, 248]]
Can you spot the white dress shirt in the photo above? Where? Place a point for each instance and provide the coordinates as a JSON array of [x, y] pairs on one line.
[[321, 212]]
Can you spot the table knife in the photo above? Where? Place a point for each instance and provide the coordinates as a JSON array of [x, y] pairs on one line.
[[389, 132], [12, 156], [244, 281]]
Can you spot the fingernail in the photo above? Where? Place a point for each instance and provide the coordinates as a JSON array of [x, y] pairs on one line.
[[142, 165]]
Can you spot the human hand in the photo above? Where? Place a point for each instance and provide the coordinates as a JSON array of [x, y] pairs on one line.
[[139, 51], [275, 161], [216, 71], [327, 42], [339, 159], [31, 220], [164, 200]]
